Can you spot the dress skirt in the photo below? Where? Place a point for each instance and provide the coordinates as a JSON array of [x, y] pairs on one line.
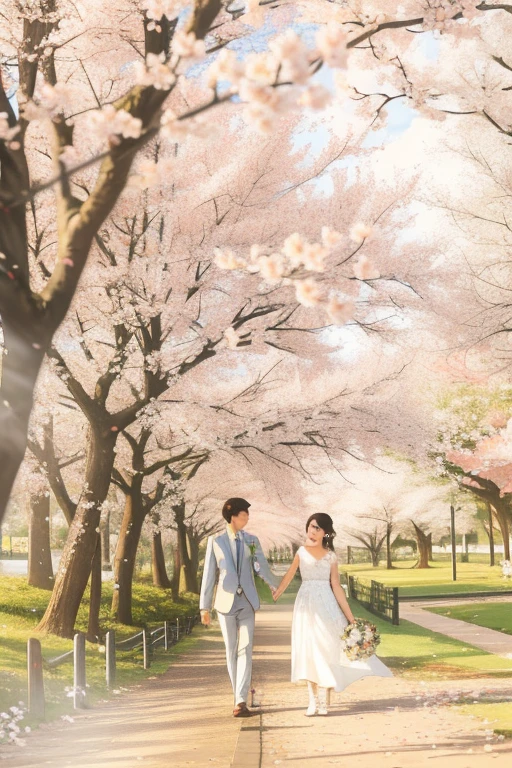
[[317, 625]]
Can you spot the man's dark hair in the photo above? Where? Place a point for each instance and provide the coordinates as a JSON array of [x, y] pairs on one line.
[[233, 507]]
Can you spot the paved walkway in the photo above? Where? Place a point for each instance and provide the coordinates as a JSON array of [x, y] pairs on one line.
[[487, 639], [183, 719], [376, 722]]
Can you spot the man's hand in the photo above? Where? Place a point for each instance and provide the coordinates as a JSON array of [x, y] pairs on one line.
[[205, 618]]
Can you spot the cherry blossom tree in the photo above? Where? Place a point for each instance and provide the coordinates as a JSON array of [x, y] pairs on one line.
[[139, 503], [222, 256], [60, 106], [486, 472], [38, 36], [33, 485], [145, 304], [471, 420]]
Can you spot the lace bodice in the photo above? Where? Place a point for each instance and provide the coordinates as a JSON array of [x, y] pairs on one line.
[[312, 569]]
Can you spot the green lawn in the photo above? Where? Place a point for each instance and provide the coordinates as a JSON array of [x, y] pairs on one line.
[[419, 653], [492, 615], [20, 609], [498, 716], [436, 580]]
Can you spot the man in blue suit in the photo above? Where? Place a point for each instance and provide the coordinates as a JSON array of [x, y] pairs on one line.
[[230, 563]]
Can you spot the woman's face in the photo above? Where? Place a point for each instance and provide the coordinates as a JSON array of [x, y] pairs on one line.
[[314, 534]]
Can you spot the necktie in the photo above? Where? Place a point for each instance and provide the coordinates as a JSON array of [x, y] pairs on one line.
[[238, 554]]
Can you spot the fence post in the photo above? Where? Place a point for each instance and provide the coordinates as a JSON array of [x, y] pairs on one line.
[[166, 634], [145, 649], [110, 657], [396, 604], [350, 582], [177, 629], [372, 593], [35, 678], [79, 680]]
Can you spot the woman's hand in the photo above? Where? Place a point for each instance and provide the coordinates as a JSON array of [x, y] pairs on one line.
[[285, 581]]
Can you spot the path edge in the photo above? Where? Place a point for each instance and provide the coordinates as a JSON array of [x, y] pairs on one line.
[[249, 745]]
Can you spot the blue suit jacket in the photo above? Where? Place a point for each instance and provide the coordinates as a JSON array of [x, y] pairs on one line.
[[220, 570]]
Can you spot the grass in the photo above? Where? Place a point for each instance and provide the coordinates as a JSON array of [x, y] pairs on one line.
[[497, 716], [416, 652], [492, 615], [20, 609], [436, 580]]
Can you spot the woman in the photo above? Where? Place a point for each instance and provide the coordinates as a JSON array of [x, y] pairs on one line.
[[320, 615]]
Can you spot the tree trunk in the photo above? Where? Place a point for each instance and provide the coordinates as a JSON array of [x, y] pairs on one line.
[[502, 518], [490, 492], [40, 569], [192, 580], [19, 372], [490, 534], [160, 577], [389, 561], [106, 564], [126, 552], [76, 562], [185, 559], [375, 557], [424, 544], [93, 630]]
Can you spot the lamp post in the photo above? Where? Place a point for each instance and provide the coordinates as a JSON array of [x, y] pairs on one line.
[[454, 550]]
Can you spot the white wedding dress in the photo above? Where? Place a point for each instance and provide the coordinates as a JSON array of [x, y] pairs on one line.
[[318, 623]]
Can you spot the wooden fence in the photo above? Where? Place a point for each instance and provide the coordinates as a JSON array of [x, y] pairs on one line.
[[147, 640], [376, 598]]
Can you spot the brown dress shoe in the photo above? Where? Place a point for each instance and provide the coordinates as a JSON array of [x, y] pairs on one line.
[[241, 710]]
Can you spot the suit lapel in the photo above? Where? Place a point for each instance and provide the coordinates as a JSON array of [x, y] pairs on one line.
[[225, 545]]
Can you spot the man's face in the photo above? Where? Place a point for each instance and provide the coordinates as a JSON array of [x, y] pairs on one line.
[[240, 521]]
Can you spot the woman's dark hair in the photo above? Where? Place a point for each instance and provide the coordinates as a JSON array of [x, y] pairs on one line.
[[324, 520]]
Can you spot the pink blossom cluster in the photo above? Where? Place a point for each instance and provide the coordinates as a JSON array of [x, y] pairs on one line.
[[156, 9], [441, 14], [291, 264], [155, 71], [288, 62], [109, 123]]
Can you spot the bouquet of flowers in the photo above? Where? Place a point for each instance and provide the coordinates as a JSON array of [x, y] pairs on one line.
[[359, 640]]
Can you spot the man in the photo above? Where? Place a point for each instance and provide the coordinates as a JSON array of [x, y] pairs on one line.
[[230, 562]]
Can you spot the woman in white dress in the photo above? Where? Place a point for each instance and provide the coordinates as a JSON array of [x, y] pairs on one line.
[[320, 615]]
